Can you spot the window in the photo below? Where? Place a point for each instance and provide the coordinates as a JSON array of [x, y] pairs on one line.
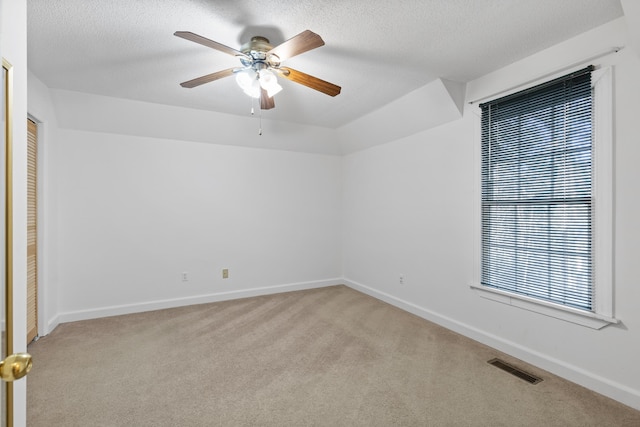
[[539, 198]]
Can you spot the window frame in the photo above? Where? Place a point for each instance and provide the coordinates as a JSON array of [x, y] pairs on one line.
[[602, 233]]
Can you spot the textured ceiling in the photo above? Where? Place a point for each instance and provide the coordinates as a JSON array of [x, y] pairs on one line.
[[377, 50]]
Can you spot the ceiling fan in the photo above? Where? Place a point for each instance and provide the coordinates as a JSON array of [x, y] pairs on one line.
[[261, 62]]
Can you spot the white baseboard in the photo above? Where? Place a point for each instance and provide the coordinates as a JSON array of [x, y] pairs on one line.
[[594, 382], [73, 316], [51, 325]]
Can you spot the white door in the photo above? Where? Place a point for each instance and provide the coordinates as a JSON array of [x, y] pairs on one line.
[[14, 366]]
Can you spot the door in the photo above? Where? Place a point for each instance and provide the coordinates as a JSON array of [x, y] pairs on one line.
[[32, 231], [14, 366]]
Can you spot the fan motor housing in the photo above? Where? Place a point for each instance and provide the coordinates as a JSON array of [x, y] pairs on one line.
[[257, 48]]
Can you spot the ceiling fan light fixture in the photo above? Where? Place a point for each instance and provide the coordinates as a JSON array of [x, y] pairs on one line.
[[259, 62], [253, 90], [269, 82], [274, 89], [245, 78], [267, 79]]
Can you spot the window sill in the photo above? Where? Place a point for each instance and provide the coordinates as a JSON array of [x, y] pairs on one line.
[[588, 319]]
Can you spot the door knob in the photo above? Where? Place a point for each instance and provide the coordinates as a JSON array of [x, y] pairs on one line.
[[15, 366]]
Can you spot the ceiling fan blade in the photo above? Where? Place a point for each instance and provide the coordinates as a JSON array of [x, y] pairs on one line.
[[266, 103], [208, 78], [310, 81], [187, 35], [296, 45]]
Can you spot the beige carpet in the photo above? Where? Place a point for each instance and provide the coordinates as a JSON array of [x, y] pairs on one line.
[[324, 357]]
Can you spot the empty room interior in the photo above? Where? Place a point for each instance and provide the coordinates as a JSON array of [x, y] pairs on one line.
[[335, 240]]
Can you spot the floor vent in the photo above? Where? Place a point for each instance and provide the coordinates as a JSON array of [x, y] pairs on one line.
[[532, 379]]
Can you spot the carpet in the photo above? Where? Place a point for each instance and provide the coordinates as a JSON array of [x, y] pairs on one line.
[[322, 357]]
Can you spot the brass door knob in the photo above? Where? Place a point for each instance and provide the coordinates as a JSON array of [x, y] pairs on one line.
[[15, 366]]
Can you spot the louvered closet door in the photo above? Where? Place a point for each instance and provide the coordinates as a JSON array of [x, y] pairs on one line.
[[32, 232]]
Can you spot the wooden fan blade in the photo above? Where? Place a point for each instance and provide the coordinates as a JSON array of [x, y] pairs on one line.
[[266, 103], [208, 78], [296, 45], [209, 43], [310, 81]]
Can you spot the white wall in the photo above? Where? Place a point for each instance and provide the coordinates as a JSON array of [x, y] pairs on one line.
[[13, 16], [134, 213], [126, 209], [408, 209]]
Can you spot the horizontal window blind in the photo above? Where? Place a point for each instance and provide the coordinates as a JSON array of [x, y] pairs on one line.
[[537, 192]]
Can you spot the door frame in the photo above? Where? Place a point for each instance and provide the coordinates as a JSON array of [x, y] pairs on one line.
[[8, 207]]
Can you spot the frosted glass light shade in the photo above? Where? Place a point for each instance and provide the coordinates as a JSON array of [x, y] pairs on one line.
[[251, 82], [246, 78], [253, 90], [273, 90], [267, 79]]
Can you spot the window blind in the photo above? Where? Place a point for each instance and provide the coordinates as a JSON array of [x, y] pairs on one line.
[[537, 192]]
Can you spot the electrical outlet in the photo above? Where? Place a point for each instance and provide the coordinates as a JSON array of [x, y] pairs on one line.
[[401, 279], [185, 276], [225, 273]]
